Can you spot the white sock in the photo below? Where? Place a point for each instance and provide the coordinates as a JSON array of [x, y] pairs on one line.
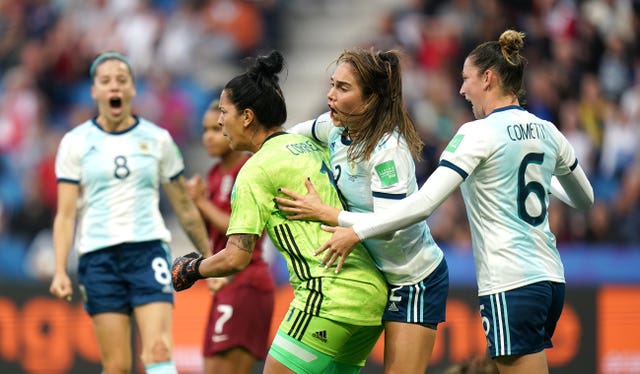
[[167, 367]]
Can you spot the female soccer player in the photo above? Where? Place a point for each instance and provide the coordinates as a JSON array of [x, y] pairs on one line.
[[109, 172], [237, 332], [505, 162], [372, 142]]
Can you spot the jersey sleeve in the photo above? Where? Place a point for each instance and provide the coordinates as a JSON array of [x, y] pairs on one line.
[[317, 129], [414, 208], [392, 173], [171, 162], [468, 148], [68, 167], [566, 160], [249, 212]]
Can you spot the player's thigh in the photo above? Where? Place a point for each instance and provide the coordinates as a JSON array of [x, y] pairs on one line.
[[408, 345], [535, 363], [113, 332], [154, 321], [274, 365]]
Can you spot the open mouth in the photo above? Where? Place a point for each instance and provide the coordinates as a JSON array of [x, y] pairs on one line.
[[115, 102]]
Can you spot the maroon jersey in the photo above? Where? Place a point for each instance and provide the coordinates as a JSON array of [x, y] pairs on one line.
[[240, 314], [220, 182]]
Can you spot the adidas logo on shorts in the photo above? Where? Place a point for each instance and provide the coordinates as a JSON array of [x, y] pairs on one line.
[[393, 307], [320, 335]]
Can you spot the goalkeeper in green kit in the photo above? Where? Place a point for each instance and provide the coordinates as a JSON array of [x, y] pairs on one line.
[[334, 319]]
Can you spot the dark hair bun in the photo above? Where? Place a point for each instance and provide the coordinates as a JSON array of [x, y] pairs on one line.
[[267, 67]]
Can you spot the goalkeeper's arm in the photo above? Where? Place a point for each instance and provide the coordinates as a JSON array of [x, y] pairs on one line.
[[234, 258]]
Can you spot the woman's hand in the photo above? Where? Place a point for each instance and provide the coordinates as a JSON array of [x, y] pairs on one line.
[[306, 207], [215, 284], [342, 242], [61, 286], [196, 187]]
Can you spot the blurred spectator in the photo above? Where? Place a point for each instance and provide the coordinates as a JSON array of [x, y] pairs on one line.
[[614, 72], [565, 72], [626, 218], [12, 32], [611, 17], [630, 100], [619, 143], [236, 22], [600, 228], [164, 103], [542, 96], [592, 108], [35, 214], [139, 30], [182, 35], [570, 125]]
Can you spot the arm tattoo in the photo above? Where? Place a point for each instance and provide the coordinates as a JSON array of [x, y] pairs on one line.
[[243, 242]]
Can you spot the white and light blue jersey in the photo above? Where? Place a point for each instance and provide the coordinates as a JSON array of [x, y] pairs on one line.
[[119, 175], [507, 160], [408, 255]]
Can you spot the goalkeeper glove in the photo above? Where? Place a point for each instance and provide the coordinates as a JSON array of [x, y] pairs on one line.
[[185, 271]]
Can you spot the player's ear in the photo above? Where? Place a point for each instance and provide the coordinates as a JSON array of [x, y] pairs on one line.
[[488, 77], [248, 117], [93, 92]]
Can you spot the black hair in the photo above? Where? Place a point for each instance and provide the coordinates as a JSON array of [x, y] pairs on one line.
[[258, 89]]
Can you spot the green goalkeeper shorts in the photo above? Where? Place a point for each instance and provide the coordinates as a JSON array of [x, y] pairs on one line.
[[309, 344]]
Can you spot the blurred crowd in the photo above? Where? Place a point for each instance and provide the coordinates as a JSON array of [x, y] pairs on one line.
[[583, 74]]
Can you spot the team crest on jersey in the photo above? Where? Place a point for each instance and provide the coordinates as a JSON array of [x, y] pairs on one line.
[[454, 143], [144, 147], [352, 167]]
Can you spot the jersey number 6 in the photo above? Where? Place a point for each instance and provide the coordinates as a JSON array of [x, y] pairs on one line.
[[533, 187]]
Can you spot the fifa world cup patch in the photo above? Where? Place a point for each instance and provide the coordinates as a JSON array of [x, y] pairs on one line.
[[454, 143], [387, 173]]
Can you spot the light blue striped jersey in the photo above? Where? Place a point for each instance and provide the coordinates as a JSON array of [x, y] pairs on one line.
[[119, 175], [405, 256], [508, 159]]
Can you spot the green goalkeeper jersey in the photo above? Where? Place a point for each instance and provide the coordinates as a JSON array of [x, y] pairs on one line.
[[357, 294]]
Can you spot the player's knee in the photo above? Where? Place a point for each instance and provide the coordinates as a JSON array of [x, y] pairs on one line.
[[159, 351]]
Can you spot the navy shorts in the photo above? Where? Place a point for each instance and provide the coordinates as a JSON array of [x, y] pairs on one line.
[[124, 276], [522, 321], [423, 303]]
